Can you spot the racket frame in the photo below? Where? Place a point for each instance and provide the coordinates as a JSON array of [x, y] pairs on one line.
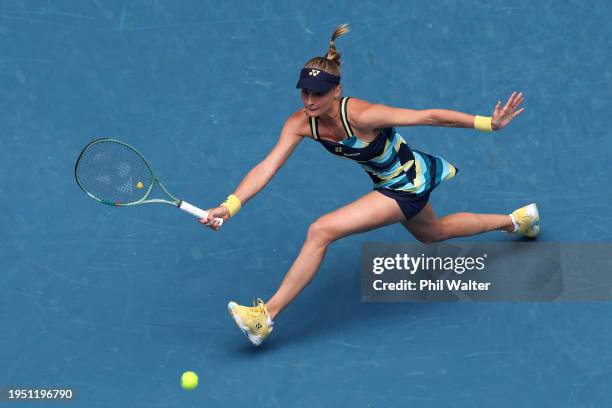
[[183, 205]]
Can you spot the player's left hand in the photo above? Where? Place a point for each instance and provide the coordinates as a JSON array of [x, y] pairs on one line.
[[503, 116]]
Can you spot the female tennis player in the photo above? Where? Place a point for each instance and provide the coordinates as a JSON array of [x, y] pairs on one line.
[[403, 178]]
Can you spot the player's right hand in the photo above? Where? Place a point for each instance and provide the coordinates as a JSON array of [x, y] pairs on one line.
[[218, 212]]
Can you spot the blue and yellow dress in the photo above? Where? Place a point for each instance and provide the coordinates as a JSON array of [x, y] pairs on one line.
[[397, 171]]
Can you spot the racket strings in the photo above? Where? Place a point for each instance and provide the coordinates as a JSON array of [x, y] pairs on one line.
[[114, 172]]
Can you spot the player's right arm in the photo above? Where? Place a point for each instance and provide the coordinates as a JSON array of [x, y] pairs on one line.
[[262, 173], [259, 176]]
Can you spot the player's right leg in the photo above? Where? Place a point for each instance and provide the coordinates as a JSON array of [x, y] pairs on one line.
[[366, 213]]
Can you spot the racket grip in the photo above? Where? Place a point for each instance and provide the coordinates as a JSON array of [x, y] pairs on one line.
[[198, 212]]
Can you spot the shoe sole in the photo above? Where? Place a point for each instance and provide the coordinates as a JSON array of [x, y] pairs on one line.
[[255, 340]]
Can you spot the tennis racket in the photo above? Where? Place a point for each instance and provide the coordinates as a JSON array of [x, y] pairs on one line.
[[114, 173]]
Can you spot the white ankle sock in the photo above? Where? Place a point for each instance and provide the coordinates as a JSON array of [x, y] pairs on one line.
[[516, 227]]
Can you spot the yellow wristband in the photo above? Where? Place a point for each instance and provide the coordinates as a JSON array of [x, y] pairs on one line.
[[233, 205], [483, 123]]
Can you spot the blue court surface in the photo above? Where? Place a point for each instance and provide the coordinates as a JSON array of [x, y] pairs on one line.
[[115, 303]]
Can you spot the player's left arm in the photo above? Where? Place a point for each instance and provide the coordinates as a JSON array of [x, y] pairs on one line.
[[375, 116]]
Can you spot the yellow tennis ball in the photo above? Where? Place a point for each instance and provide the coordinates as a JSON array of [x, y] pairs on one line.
[[189, 380], [139, 185]]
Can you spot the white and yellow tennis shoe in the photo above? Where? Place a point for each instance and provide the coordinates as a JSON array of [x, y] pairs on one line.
[[254, 321], [526, 221]]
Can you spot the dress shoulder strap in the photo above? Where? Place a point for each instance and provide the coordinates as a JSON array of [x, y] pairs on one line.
[[344, 115], [314, 127]]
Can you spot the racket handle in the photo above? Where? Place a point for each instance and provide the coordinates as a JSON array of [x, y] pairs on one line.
[[198, 212]]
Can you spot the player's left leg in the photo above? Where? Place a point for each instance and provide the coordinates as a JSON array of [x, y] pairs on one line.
[[428, 228]]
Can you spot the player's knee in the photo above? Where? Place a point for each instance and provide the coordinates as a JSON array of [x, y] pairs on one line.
[[427, 240], [320, 231], [432, 237]]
